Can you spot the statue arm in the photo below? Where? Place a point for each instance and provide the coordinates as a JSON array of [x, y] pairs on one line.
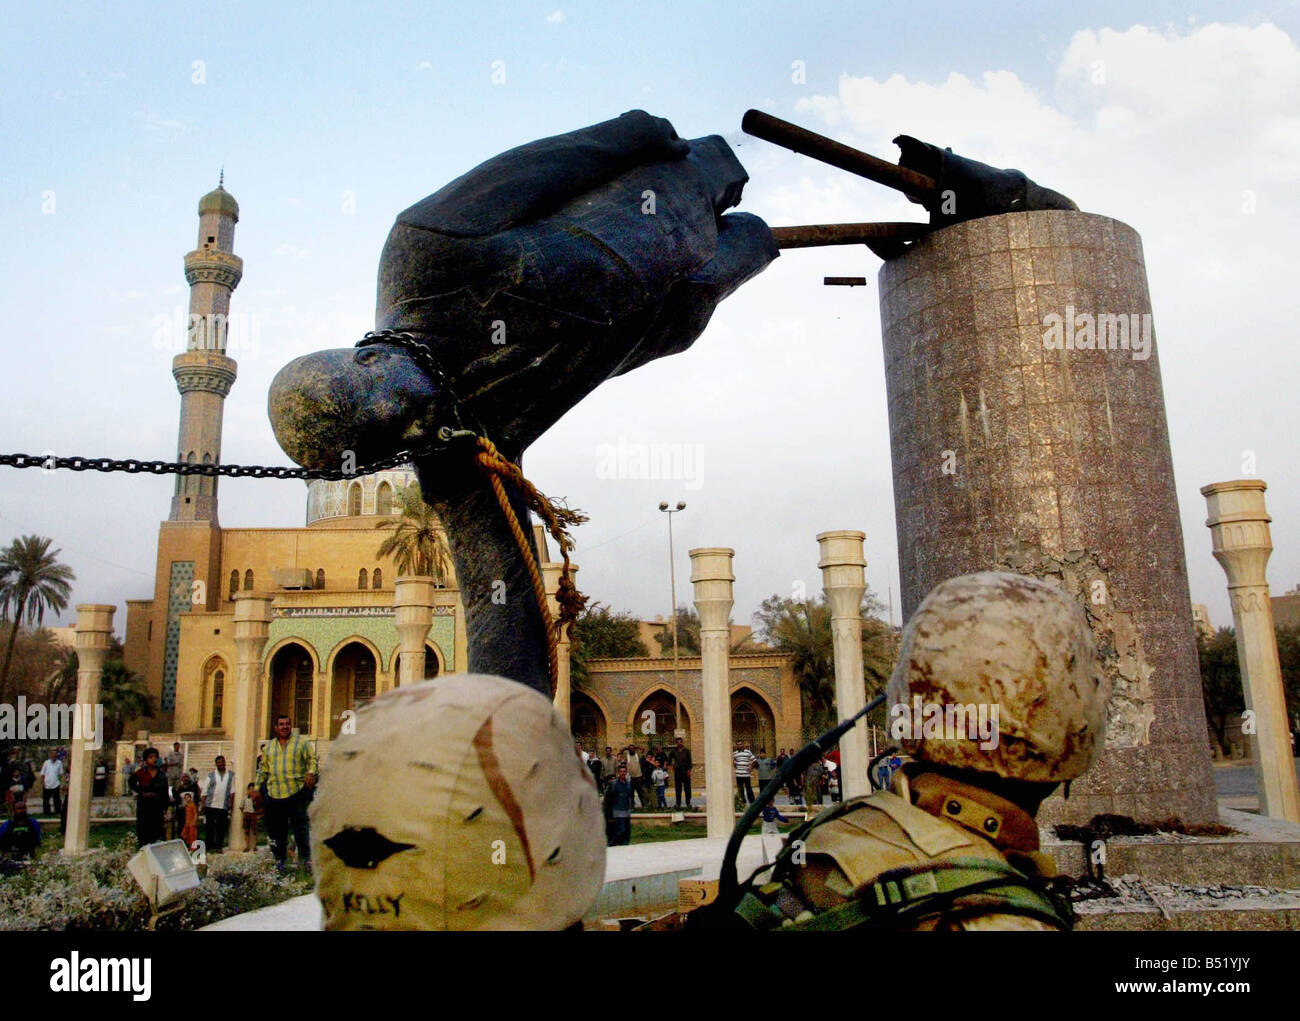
[[531, 180]]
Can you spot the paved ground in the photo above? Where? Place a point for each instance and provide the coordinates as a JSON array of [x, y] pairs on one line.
[[1237, 779]]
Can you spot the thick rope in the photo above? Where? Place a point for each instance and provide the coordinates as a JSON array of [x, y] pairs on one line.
[[557, 521]]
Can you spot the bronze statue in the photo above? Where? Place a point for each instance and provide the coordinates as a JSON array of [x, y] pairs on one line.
[[506, 297]]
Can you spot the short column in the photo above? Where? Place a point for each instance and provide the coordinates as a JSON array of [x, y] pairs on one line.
[[252, 627], [844, 580], [1238, 524], [712, 577], [563, 685], [94, 634], [413, 603]]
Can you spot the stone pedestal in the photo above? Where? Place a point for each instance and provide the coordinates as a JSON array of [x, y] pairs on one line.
[[94, 634], [1238, 524], [1013, 451], [252, 626], [413, 605], [712, 579], [844, 580]]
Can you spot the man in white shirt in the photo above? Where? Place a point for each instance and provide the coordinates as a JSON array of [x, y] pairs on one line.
[[218, 800], [744, 760], [51, 778]]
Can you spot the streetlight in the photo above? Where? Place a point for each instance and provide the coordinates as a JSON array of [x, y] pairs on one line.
[[672, 580]]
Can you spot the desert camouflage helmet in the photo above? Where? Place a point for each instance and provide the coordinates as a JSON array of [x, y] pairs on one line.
[[1013, 643], [458, 803]]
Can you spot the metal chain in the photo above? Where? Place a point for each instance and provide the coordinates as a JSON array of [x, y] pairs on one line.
[[133, 466], [406, 341]]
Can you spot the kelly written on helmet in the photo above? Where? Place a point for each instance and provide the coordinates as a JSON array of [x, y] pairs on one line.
[[458, 803]]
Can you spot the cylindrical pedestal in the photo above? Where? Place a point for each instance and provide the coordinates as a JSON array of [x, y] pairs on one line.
[[1027, 428], [712, 578], [413, 608], [252, 626], [1238, 524], [844, 580], [94, 631]]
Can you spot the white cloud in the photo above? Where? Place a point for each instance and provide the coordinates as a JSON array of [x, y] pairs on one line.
[[555, 18]]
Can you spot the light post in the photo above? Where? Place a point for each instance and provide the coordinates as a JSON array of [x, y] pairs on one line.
[[672, 581]]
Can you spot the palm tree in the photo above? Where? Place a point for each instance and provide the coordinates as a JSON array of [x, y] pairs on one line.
[[803, 629], [31, 581], [418, 544]]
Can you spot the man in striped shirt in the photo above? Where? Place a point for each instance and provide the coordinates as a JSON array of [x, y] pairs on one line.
[[744, 760], [286, 776]]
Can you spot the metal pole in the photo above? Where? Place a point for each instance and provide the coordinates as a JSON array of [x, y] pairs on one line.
[[672, 581]]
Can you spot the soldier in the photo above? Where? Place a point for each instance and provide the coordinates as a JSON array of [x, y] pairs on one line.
[[954, 844], [487, 817]]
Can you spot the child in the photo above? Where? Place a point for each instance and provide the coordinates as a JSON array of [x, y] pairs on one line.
[[190, 831], [660, 779], [249, 808], [15, 789], [770, 817]]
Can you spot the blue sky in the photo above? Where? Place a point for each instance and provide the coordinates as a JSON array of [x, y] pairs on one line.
[[330, 118]]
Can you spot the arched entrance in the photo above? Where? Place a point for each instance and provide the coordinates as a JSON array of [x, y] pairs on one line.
[[352, 682], [292, 673], [587, 722], [656, 729], [752, 722]]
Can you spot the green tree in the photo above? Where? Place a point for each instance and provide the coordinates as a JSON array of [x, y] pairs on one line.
[[803, 629], [418, 544], [122, 693], [688, 634], [1220, 681], [599, 633], [31, 581], [1288, 654], [38, 658]]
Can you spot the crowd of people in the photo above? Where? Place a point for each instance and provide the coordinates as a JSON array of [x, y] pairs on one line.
[[170, 800], [629, 777]]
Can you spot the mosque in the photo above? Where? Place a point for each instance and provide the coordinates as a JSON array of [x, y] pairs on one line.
[[333, 640]]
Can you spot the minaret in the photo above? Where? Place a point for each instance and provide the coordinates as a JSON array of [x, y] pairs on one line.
[[203, 373]]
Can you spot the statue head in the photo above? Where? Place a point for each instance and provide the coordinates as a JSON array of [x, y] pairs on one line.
[[372, 401]]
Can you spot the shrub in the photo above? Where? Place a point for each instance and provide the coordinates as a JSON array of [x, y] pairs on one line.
[[98, 893]]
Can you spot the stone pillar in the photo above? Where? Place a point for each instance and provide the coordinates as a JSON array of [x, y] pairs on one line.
[[844, 580], [252, 627], [413, 600], [1238, 524], [1014, 452], [712, 577], [563, 685], [94, 631]]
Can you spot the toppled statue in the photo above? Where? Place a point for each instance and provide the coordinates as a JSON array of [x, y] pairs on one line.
[[529, 281], [504, 299]]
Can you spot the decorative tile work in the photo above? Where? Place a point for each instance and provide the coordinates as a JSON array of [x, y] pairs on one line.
[[179, 600], [324, 633]]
